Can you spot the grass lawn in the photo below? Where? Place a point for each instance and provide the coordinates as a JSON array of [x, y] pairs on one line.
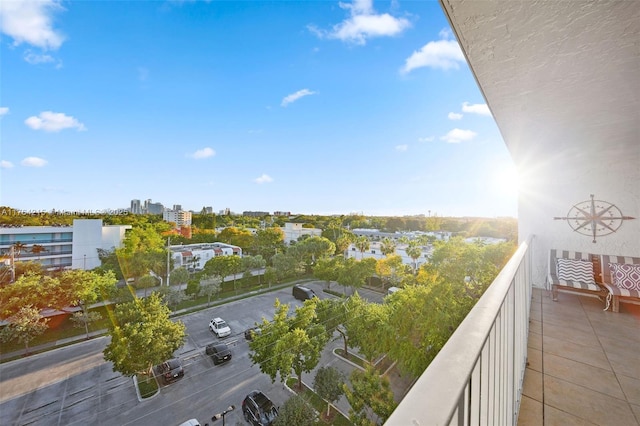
[[335, 418], [147, 385]]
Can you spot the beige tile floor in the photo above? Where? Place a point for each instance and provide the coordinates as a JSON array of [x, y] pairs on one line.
[[583, 363]]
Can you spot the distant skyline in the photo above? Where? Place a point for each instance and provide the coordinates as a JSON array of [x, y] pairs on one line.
[[309, 107]]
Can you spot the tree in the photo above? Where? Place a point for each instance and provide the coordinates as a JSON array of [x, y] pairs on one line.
[[285, 265], [362, 243], [371, 399], [193, 288], [25, 325], [37, 249], [250, 263], [296, 412], [142, 335], [179, 276], [286, 344], [328, 269], [329, 385], [388, 246], [83, 319], [223, 266], [37, 291], [85, 288], [270, 275], [146, 282], [210, 286], [17, 249], [172, 296], [391, 270], [354, 273], [312, 249], [414, 251], [367, 327], [268, 242], [335, 315], [236, 236]]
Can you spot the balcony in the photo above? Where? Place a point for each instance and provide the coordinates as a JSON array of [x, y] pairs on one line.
[[520, 358]]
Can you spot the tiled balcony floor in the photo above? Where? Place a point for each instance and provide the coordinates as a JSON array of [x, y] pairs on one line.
[[583, 363]]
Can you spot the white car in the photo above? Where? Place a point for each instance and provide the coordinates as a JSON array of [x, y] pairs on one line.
[[220, 327]]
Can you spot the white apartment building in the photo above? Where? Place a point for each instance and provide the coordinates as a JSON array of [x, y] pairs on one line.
[[75, 246], [293, 231], [375, 252], [195, 256], [179, 217]]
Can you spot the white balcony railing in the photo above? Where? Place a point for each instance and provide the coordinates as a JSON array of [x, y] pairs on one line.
[[476, 378]]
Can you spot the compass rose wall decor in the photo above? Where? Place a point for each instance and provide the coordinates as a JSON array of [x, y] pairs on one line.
[[595, 218]]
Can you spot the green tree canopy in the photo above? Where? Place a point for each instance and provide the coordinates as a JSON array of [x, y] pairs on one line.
[[329, 385], [296, 411], [24, 325], [142, 335], [371, 398]]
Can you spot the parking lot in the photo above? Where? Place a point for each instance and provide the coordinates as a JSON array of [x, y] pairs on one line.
[[74, 385]]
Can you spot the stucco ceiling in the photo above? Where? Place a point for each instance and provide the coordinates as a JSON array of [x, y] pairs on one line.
[[557, 75]]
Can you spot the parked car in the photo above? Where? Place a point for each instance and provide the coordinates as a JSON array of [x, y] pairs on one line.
[[219, 352], [220, 327], [250, 332], [303, 293], [171, 370], [258, 409], [190, 422]]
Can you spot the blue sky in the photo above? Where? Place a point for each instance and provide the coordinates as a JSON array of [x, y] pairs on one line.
[[316, 107]]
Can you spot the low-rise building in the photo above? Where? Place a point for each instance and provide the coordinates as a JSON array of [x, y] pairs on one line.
[[195, 256], [293, 231], [61, 247]]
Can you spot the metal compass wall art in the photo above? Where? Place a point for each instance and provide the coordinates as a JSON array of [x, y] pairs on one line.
[[595, 218]]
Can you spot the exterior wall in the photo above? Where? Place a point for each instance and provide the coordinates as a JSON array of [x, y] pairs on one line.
[[179, 217], [559, 183], [293, 231], [87, 238]]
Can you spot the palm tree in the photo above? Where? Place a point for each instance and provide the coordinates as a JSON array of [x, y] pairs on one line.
[[37, 249], [388, 246], [17, 248], [362, 244], [414, 251]]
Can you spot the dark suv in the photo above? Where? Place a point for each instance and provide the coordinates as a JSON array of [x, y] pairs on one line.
[[258, 409], [302, 293], [219, 352], [171, 370]]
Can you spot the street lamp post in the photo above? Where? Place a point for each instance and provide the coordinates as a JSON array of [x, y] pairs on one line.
[[221, 415]]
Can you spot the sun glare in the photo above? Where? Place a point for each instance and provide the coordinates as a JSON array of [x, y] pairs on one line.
[[506, 181]]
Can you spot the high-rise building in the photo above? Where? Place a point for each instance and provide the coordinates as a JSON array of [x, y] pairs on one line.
[[136, 207]]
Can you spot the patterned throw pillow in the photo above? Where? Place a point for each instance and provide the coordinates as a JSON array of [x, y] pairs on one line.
[[575, 270], [626, 275]]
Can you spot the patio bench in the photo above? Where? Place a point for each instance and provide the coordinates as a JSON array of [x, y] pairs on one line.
[[621, 279], [576, 272]]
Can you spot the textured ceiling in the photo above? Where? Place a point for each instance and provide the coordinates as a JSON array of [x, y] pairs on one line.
[[558, 76]]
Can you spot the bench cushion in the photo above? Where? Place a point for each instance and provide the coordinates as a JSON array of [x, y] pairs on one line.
[[625, 276], [575, 270], [614, 290]]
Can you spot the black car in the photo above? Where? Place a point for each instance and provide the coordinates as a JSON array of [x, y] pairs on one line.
[[258, 409], [171, 370], [250, 332], [219, 352], [302, 293]]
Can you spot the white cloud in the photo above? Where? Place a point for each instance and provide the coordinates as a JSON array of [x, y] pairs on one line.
[[33, 162], [202, 153], [442, 54], [363, 24], [37, 58], [454, 116], [295, 96], [53, 122], [4, 164], [30, 22], [263, 179], [4, 111], [427, 139], [459, 135], [482, 109], [402, 148]]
